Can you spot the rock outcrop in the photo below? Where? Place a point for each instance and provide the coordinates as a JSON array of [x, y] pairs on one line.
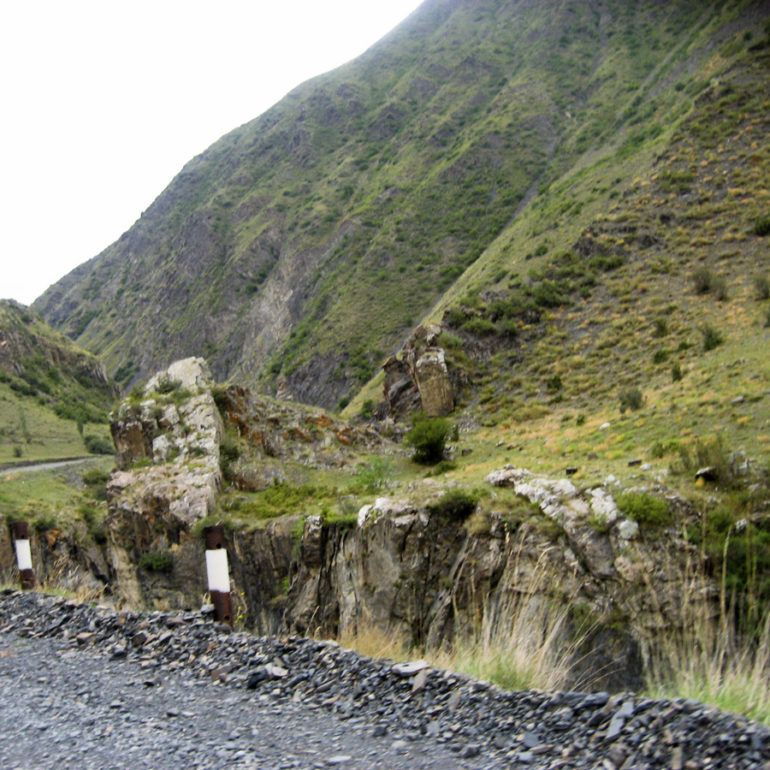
[[168, 468], [419, 377]]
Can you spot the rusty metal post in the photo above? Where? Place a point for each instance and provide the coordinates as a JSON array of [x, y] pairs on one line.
[[20, 530], [218, 573]]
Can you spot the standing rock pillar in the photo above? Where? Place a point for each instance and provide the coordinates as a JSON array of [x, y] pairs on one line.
[[218, 572], [20, 531]]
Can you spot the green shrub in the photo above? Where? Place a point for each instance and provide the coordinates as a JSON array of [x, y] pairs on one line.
[[479, 327], [719, 289], [762, 287], [367, 409], [676, 372], [660, 356], [703, 280], [375, 475], [456, 504], [441, 468], [631, 398], [428, 437], [708, 454], [95, 480], [660, 327], [762, 225], [712, 338], [98, 445], [645, 509], [157, 561], [18, 451], [167, 385], [662, 448]]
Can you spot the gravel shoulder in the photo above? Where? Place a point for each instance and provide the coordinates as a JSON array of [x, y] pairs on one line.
[[65, 707], [93, 688]]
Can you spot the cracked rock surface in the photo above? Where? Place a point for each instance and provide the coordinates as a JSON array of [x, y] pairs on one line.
[[93, 688]]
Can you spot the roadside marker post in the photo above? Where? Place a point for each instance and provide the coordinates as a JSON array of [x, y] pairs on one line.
[[20, 530], [218, 573]]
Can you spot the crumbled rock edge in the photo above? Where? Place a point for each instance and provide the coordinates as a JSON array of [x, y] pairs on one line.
[[555, 730]]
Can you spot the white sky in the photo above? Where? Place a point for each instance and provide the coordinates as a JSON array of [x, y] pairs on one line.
[[102, 102]]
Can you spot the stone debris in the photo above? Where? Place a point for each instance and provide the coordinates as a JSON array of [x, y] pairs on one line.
[[473, 719]]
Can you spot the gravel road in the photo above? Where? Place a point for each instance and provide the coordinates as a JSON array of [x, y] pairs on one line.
[[88, 687], [42, 465], [65, 708]]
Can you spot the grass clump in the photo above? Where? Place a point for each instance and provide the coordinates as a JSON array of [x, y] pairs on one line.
[[631, 399], [98, 445], [762, 287], [645, 509], [428, 437], [703, 280], [762, 225], [709, 454], [456, 504], [374, 475], [712, 337], [157, 561]]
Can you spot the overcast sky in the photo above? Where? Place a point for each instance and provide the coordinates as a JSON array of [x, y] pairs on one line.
[[103, 101]]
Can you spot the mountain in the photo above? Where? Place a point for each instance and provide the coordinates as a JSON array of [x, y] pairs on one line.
[[302, 248], [54, 396]]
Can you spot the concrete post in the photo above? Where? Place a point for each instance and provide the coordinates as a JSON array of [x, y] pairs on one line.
[[20, 530], [218, 573]]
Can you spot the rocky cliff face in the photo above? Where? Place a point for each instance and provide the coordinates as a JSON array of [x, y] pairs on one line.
[[168, 468]]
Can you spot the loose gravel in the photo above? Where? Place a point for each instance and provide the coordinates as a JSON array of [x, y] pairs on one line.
[[92, 688]]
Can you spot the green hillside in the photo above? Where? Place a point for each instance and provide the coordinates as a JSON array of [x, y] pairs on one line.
[[54, 396], [303, 247]]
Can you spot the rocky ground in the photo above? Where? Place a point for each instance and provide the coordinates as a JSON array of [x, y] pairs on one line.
[[94, 688]]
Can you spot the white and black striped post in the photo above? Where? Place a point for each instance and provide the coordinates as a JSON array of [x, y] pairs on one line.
[[218, 573], [20, 530]]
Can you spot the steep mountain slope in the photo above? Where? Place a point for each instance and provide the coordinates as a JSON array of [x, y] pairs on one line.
[[52, 393], [301, 248]]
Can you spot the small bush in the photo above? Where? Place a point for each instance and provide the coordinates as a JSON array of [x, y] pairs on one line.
[[645, 509], [457, 504], [98, 445], [662, 448], [375, 475], [660, 327], [96, 483], [712, 338], [445, 466], [762, 287], [762, 225], [367, 409], [708, 454], [167, 385], [631, 399], [428, 437], [676, 372], [719, 289], [660, 356], [703, 280], [157, 561], [18, 451], [479, 327]]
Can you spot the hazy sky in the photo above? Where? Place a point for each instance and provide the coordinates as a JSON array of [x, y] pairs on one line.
[[103, 101]]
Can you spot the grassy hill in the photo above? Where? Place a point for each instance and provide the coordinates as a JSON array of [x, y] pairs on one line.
[[54, 396], [303, 247]]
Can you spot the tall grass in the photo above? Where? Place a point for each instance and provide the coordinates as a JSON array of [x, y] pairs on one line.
[[710, 656], [522, 641], [525, 643]]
